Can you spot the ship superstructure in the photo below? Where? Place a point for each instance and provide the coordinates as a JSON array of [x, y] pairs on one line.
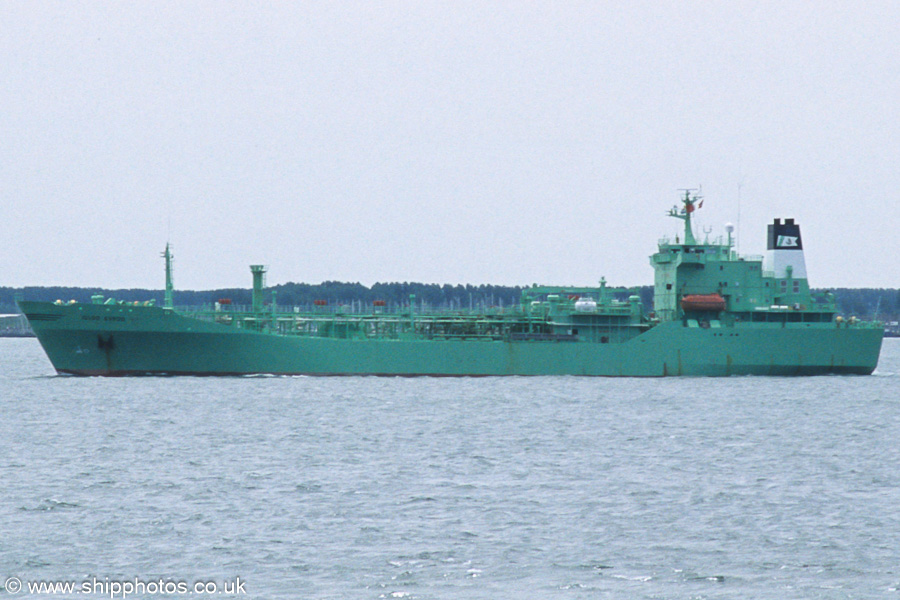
[[714, 313], [749, 289]]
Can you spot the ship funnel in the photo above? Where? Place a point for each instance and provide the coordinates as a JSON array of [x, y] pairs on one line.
[[784, 252]]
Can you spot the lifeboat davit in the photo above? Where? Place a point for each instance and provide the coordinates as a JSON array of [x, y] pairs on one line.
[[710, 302]]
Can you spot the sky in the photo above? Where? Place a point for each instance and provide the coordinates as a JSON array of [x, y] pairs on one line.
[[444, 142]]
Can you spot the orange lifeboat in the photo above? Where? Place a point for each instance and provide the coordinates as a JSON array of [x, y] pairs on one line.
[[698, 302]]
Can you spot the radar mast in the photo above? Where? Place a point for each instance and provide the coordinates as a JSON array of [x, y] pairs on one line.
[[690, 202]]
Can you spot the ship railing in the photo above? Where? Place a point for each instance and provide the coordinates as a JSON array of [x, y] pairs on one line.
[[358, 310], [242, 312], [437, 315], [431, 314], [431, 326]]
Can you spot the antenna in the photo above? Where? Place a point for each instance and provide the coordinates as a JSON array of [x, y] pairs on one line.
[[740, 185]]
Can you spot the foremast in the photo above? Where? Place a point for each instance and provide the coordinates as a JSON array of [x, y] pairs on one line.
[[170, 287]]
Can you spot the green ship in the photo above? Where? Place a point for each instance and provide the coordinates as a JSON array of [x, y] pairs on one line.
[[715, 313]]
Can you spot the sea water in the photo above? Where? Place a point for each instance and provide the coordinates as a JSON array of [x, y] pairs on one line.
[[361, 487]]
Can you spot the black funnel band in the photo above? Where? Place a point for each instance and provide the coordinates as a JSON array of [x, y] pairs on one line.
[[784, 236]]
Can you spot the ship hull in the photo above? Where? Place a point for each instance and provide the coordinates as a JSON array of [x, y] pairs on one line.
[[124, 340]]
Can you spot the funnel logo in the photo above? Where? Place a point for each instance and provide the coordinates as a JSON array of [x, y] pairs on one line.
[[787, 241]]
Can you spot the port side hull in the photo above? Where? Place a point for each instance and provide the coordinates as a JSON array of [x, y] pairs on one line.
[[114, 341]]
